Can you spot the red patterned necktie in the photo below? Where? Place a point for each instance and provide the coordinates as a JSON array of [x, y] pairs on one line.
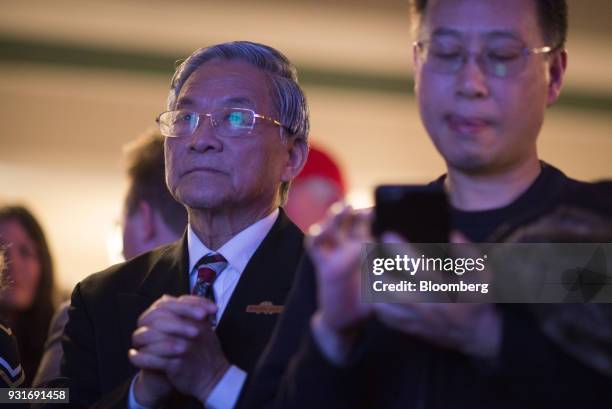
[[208, 267]]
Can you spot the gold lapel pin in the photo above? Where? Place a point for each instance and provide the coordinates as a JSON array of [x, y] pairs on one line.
[[265, 307]]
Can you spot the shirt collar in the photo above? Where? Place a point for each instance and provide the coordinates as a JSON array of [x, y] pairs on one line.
[[239, 249]]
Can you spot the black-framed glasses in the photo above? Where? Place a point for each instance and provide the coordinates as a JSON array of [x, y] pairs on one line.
[[495, 61], [227, 122]]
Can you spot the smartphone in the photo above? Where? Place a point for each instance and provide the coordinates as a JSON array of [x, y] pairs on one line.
[[419, 213]]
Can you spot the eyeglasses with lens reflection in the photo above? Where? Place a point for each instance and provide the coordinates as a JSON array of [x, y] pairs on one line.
[[499, 62], [227, 122]]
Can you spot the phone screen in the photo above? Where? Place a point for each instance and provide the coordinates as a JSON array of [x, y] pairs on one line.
[[420, 213]]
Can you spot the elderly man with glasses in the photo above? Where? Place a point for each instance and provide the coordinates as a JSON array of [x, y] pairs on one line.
[[485, 73], [195, 315]]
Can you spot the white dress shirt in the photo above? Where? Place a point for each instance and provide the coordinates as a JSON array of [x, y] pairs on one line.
[[237, 251]]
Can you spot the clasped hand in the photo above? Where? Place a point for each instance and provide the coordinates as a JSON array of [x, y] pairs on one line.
[[175, 347]]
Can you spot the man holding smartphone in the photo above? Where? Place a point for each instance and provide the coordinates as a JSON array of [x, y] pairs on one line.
[[485, 73]]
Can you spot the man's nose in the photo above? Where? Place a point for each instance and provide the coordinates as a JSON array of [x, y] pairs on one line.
[[472, 80], [204, 137]]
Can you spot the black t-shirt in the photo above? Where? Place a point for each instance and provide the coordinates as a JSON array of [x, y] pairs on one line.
[[550, 190]]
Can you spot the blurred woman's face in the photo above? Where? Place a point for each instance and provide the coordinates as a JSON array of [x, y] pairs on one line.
[[23, 268]]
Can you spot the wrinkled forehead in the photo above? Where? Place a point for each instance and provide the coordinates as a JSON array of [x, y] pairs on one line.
[[467, 20], [218, 83]]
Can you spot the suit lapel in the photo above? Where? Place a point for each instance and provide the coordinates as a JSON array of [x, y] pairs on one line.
[[267, 278], [167, 274]]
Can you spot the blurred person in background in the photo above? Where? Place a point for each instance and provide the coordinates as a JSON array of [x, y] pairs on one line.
[[151, 218], [11, 371], [29, 301], [319, 185]]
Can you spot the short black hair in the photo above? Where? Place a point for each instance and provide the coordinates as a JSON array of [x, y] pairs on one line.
[[552, 16], [147, 180]]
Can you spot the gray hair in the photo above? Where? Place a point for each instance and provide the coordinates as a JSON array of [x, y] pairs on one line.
[[287, 95]]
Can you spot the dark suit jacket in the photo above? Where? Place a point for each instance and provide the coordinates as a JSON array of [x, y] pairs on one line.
[[106, 306]]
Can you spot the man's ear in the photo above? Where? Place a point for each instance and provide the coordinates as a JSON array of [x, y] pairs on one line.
[[147, 218], [556, 75], [298, 153]]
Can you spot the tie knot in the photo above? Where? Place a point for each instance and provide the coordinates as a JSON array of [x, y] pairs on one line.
[[210, 266]]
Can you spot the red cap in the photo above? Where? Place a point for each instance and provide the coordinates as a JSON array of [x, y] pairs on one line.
[[320, 164]]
